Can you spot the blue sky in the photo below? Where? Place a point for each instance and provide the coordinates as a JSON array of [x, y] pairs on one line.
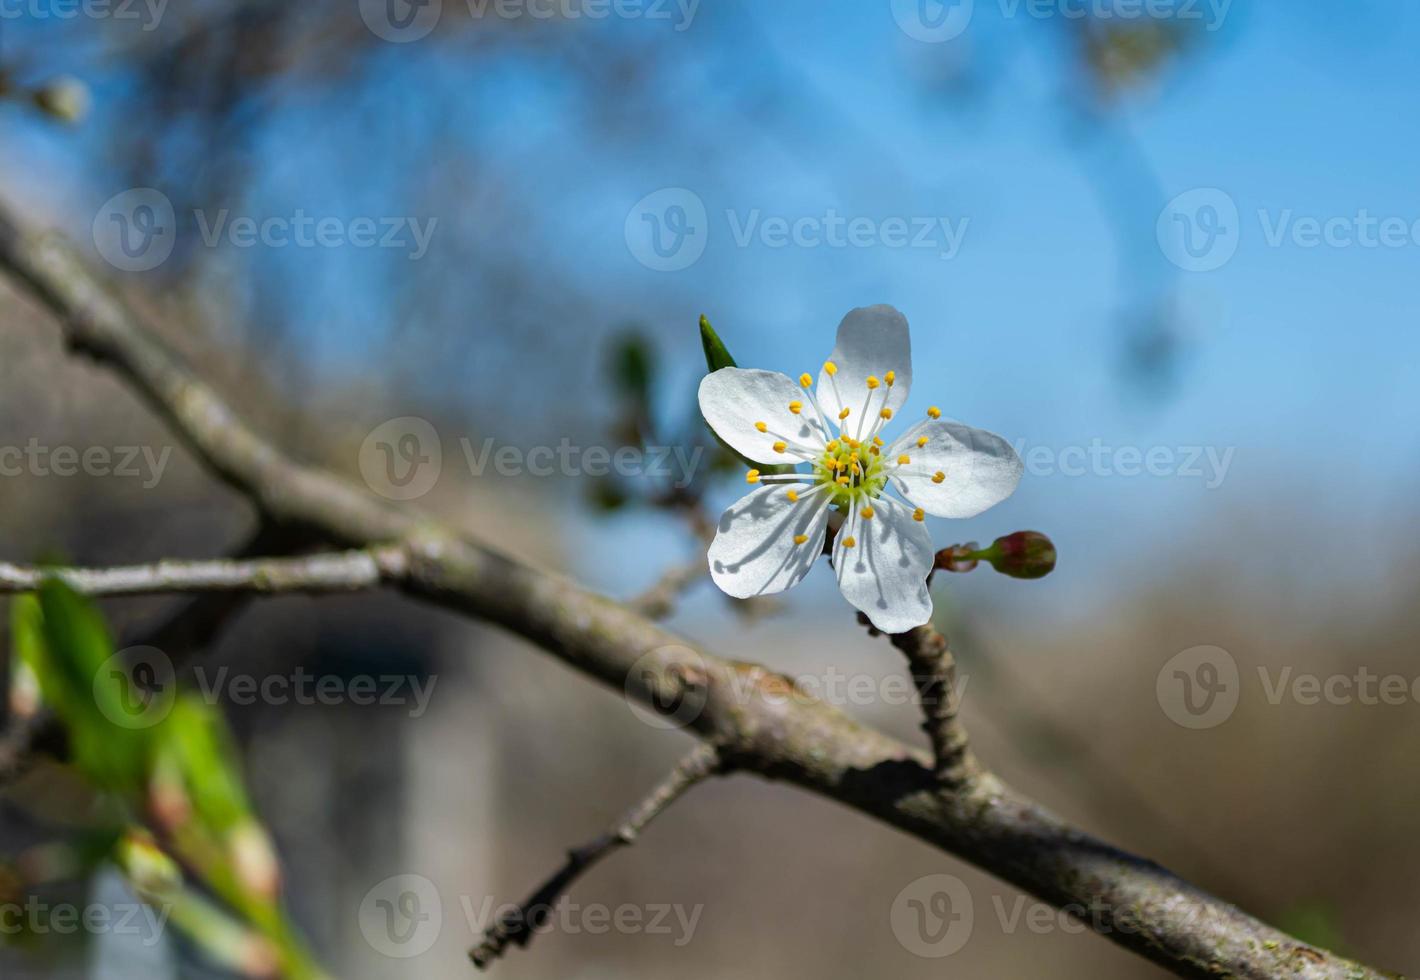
[[1295, 346], [1302, 361], [1298, 364]]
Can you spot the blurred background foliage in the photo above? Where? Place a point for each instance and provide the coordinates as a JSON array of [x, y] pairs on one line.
[[1061, 324], [164, 795]]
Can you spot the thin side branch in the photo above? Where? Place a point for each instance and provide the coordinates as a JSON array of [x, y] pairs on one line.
[[659, 600], [194, 626], [348, 571], [518, 925], [183, 636], [934, 673]]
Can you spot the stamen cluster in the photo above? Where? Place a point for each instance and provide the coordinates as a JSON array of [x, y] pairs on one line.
[[854, 471]]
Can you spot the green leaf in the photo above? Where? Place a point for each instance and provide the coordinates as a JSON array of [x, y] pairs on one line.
[[27, 637], [64, 641], [196, 758], [716, 355], [182, 769], [195, 745]]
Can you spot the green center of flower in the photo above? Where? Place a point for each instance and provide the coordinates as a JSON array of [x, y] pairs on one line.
[[853, 470]]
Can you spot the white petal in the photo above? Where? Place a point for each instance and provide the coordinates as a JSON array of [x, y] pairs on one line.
[[754, 551], [884, 574], [872, 340], [980, 468], [734, 399]]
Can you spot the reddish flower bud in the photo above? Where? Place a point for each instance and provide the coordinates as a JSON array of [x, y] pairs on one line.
[[957, 558], [1025, 554], [168, 803]]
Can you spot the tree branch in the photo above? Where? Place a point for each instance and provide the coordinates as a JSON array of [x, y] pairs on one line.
[[934, 673], [518, 925], [193, 627], [349, 571], [745, 710]]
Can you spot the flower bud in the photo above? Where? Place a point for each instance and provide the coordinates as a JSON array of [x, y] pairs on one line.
[[151, 870], [256, 957], [1025, 554], [65, 98], [25, 696], [958, 557], [168, 802], [255, 860]]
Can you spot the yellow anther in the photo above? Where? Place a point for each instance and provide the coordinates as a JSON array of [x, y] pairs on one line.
[[867, 513], [843, 481], [796, 407], [843, 414], [801, 538], [921, 441], [752, 476], [873, 382], [761, 427], [792, 495], [852, 443], [877, 440], [779, 447], [848, 542], [805, 380], [832, 446], [830, 368], [874, 451], [890, 377], [918, 515], [886, 413], [853, 455], [938, 476], [934, 412], [904, 459]]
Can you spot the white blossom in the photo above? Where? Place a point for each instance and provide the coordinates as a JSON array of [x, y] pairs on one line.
[[882, 553]]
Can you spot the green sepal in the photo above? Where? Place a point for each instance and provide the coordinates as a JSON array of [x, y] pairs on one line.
[[716, 354]]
